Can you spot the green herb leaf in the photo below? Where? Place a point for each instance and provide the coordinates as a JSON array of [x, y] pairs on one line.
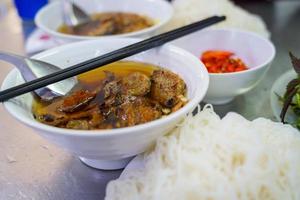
[[280, 98], [287, 103], [291, 86], [295, 62]]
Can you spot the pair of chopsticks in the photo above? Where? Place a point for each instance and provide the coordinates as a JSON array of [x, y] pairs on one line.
[[108, 58]]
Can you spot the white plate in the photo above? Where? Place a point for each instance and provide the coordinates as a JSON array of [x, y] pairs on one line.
[[135, 164], [279, 88]]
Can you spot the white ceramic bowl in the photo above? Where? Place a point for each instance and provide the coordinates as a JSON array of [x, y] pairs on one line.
[[112, 149], [49, 18], [256, 51]]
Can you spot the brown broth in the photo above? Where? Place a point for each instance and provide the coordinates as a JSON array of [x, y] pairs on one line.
[[109, 23], [120, 69], [93, 79], [120, 94]]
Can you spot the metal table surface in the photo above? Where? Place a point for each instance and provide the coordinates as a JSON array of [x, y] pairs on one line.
[[32, 168]]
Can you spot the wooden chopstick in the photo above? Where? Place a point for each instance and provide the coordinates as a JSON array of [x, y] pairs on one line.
[[107, 58]]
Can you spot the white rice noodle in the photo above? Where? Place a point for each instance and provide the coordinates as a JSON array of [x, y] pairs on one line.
[[188, 11], [208, 158]]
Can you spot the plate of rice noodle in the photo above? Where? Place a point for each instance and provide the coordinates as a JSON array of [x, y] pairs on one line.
[[211, 158], [207, 157]]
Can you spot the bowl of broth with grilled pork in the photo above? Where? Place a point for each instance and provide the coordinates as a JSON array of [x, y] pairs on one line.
[[117, 111], [109, 23], [109, 19], [122, 94]]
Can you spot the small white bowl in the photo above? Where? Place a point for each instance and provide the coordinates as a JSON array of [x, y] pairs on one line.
[[112, 149], [49, 18], [256, 51]]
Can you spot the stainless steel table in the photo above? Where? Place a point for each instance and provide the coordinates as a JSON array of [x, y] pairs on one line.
[[32, 168]]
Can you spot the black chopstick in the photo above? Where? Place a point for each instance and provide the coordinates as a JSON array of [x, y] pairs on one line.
[[108, 58]]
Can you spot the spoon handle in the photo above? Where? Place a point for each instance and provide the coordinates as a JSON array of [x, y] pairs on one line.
[[16, 60], [32, 69], [20, 63], [72, 14]]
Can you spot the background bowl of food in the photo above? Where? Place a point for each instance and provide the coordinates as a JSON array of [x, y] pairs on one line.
[[112, 147], [249, 54], [116, 18]]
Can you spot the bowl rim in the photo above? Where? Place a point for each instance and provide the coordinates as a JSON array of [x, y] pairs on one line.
[[267, 41], [38, 21], [200, 92]]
